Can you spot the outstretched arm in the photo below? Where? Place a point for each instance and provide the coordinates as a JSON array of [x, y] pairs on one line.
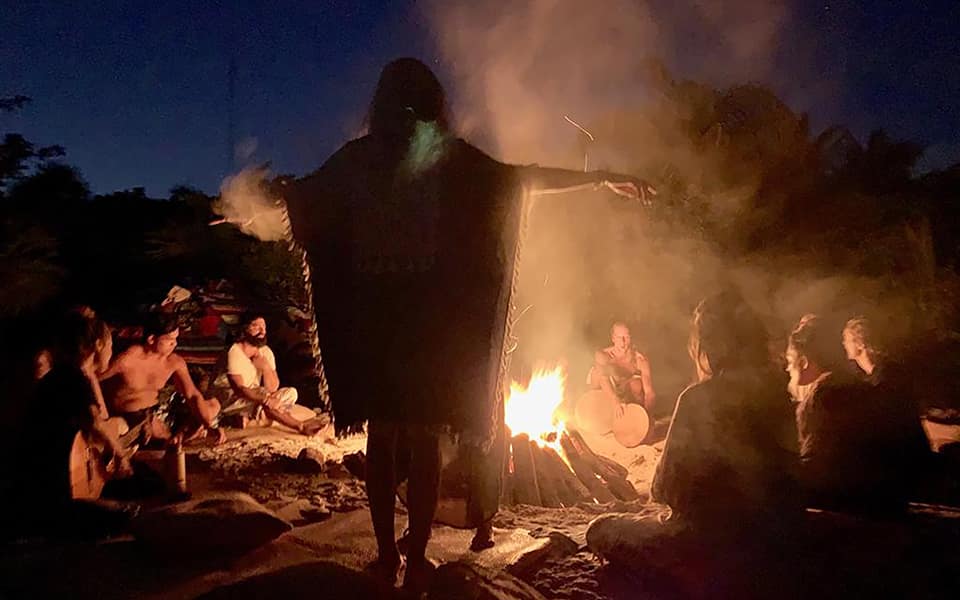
[[546, 181]]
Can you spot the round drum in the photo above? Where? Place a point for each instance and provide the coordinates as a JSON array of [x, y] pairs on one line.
[[596, 414]]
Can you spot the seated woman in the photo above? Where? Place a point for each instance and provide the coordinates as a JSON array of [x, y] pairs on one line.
[[68, 401], [729, 464]]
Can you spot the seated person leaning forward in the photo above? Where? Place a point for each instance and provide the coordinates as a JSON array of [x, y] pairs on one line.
[[252, 372], [861, 447], [728, 467], [70, 394], [620, 377], [143, 370]]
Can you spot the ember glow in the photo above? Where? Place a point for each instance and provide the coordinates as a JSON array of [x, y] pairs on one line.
[[533, 409]]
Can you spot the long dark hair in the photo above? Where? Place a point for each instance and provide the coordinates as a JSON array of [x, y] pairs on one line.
[[818, 337], [726, 333], [77, 337], [407, 92]]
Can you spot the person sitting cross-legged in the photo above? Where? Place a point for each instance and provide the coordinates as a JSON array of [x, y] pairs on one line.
[[728, 472], [252, 373]]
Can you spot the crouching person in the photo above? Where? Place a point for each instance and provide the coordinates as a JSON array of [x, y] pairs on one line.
[[252, 373], [729, 465]]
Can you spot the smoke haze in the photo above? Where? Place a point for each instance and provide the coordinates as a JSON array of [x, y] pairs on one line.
[[519, 68]]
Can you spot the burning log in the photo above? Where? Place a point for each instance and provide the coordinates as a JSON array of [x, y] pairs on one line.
[[551, 474], [584, 471], [570, 489], [549, 492], [526, 490], [613, 474]]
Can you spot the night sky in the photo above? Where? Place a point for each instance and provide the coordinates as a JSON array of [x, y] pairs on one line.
[[137, 92]]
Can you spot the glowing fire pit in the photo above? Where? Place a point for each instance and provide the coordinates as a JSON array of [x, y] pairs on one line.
[[550, 464]]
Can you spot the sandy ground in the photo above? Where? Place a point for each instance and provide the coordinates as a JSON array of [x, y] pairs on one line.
[[332, 528]]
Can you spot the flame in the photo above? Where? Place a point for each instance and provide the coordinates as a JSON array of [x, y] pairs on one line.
[[533, 409]]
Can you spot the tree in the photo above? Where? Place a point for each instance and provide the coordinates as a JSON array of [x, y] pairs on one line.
[[17, 155]]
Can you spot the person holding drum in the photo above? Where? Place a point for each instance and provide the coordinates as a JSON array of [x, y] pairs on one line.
[[621, 390]]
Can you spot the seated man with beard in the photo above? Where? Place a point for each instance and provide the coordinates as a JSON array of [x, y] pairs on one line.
[[860, 446], [252, 372]]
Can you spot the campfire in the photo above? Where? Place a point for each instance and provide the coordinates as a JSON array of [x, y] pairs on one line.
[[549, 463]]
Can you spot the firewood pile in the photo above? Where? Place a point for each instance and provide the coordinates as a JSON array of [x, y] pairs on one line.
[[539, 476]]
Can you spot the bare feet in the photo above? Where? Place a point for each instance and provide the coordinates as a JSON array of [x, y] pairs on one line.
[[418, 576], [219, 435], [386, 569], [483, 538], [312, 427]]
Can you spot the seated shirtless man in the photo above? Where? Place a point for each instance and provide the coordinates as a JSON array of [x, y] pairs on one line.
[[144, 369], [622, 371]]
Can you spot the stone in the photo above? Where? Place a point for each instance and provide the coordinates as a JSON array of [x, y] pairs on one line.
[[555, 546], [310, 460], [337, 470], [465, 581], [322, 579], [356, 463], [228, 523], [301, 511]]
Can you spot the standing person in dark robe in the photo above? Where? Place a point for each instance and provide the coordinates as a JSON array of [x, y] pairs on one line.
[[415, 233], [728, 469]]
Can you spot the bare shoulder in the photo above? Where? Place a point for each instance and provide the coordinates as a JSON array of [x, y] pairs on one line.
[[642, 358], [176, 363], [602, 356], [134, 352]]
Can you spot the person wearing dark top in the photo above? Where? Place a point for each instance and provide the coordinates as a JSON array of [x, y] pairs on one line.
[[67, 401], [861, 446], [415, 233], [728, 470]]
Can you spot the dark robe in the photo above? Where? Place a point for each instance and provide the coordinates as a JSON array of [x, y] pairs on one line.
[[412, 282]]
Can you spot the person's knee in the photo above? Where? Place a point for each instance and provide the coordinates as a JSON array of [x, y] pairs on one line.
[[289, 395]]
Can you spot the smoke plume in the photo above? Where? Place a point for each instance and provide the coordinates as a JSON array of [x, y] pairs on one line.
[[244, 202], [519, 68]]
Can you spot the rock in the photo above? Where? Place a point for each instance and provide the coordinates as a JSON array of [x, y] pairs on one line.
[[337, 470], [356, 463], [463, 581], [228, 523], [324, 579], [301, 511], [310, 460], [554, 546]]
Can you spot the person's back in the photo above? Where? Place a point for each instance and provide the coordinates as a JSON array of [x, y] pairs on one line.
[[859, 450], [62, 404], [729, 456]]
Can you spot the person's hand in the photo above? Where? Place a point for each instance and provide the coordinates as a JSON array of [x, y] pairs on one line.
[[620, 410], [120, 466], [260, 362], [635, 190], [219, 434], [272, 400]]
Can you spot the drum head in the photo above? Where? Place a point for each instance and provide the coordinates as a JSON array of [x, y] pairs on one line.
[[595, 413], [632, 428]]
